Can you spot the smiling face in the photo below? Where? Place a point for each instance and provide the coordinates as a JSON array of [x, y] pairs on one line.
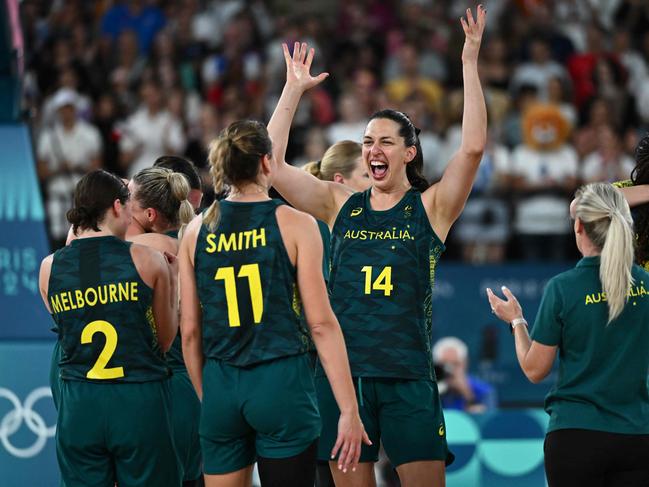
[[385, 154]]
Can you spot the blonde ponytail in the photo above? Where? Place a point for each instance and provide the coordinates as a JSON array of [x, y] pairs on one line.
[[607, 221], [313, 168]]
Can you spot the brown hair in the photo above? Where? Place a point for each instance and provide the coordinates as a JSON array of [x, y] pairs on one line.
[[166, 192], [234, 157], [93, 195]]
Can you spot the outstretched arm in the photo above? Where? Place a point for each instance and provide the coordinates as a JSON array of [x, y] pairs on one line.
[[445, 200], [322, 199]]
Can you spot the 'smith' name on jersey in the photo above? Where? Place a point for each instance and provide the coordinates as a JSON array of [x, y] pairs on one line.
[[393, 234], [91, 296], [249, 239]]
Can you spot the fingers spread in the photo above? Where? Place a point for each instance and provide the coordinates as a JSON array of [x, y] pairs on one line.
[[309, 58]]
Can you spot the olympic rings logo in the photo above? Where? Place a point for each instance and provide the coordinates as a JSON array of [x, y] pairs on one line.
[[13, 420]]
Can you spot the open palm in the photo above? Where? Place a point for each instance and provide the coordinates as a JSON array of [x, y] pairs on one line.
[[298, 67], [473, 30]]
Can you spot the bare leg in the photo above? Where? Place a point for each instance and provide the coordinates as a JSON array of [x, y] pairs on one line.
[[422, 474], [362, 477], [240, 478]]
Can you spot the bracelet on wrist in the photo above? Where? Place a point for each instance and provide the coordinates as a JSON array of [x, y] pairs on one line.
[[515, 322]]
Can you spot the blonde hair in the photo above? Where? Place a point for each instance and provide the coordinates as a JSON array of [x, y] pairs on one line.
[[607, 221], [166, 192], [234, 157], [341, 158]]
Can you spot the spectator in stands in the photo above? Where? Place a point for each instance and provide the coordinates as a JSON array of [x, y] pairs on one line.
[[143, 17], [149, 132], [608, 163], [351, 122], [458, 389], [538, 70], [65, 152], [545, 172]]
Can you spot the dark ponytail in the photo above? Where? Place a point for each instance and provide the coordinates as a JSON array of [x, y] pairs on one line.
[[410, 134], [94, 194], [640, 175]]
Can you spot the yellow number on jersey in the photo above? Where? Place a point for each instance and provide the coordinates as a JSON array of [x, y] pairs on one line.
[[382, 283], [99, 370], [251, 271]]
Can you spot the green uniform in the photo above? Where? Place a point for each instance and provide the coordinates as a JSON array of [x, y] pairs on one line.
[[252, 335], [602, 382], [113, 421], [382, 273], [186, 411]]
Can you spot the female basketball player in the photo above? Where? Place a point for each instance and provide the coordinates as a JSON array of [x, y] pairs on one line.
[[385, 246], [245, 261], [115, 316], [342, 163], [160, 206]]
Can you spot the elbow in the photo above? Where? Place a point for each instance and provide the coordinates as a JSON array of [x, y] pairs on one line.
[[535, 376], [474, 151]]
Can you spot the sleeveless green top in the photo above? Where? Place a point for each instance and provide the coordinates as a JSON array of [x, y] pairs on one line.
[[247, 287], [381, 282], [103, 314]]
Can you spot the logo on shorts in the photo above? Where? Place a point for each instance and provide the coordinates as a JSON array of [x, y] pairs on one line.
[[356, 212], [441, 430]]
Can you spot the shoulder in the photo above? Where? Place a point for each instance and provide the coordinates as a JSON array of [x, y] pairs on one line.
[[146, 256], [287, 215], [46, 264], [158, 241]]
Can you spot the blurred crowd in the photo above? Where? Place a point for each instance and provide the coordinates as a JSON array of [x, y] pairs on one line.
[[115, 84]]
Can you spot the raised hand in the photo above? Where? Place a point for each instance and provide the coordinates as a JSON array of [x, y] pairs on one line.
[[506, 309], [473, 30], [298, 67]]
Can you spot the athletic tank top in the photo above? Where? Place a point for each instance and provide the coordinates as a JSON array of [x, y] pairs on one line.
[[381, 282], [247, 287], [102, 310]]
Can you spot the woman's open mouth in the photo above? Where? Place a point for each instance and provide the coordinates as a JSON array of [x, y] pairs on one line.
[[379, 169]]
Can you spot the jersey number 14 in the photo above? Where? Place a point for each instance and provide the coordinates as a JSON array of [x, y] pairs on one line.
[[383, 281]]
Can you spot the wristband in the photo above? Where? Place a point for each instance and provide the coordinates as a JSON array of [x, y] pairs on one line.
[[515, 322]]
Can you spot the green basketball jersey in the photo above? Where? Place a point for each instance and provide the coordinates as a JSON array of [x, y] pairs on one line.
[[382, 273], [247, 287], [102, 310]]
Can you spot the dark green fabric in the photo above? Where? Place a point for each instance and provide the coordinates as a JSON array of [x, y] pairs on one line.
[[185, 418], [404, 415], [94, 282], [120, 433], [269, 410], [246, 246], [602, 383], [386, 318]]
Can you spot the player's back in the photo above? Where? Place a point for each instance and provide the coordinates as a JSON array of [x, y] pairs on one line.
[[95, 289], [247, 287]]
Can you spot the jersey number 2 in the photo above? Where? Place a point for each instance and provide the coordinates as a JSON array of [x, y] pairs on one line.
[[99, 370], [383, 282], [251, 271]]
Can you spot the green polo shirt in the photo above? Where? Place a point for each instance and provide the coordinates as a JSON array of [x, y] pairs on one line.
[[602, 382]]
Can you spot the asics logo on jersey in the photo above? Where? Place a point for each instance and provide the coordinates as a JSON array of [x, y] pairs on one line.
[[14, 419], [441, 430], [356, 212]]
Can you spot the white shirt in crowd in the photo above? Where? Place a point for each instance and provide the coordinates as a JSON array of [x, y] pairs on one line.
[[541, 213], [595, 169], [150, 136], [78, 147]]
